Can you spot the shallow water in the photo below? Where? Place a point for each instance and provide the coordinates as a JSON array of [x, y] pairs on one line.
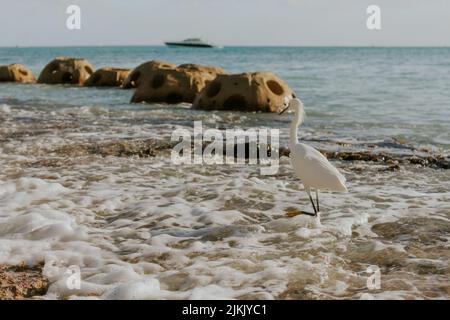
[[142, 227]]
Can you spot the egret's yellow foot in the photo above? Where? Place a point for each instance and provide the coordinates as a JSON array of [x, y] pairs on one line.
[[294, 213]]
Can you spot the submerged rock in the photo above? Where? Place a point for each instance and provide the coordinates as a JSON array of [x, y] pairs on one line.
[[259, 91], [107, 77], [116, 148], [428, 231], [66, 70], [155, 147], [21, 282], [393, 161], [174, 85], [16, 73], [138, 148]]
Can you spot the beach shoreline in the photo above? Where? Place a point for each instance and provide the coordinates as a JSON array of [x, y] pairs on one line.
[[88, 184]]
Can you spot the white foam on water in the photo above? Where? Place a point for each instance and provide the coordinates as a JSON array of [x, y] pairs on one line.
[[134, 290], [4, 108], [143, 228]]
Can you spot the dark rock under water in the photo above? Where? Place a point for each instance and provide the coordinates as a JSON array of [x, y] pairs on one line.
[[156, 147]]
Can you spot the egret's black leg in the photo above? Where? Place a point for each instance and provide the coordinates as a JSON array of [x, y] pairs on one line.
[[317, 200], [314, 207]]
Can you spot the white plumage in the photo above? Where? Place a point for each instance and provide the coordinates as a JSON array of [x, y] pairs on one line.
[[309, 165]]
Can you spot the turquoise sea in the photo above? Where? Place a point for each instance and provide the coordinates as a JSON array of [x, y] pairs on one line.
[[359, 93]]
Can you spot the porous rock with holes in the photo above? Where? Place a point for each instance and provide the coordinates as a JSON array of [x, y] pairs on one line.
[[258, 91], [16, 73], [66, 70], [144, 71], [107, 77], [175, 85]]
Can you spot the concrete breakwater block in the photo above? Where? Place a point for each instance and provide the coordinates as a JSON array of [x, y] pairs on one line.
[[258, 91], [168, 84], [145, 70], [107, 77], [66, 70], [16, 73]]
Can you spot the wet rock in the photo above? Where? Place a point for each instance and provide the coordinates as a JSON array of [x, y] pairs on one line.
[[144, 71], [118, 148], [393, 162], [16, 73], [154, 147], [423, 230], [391, 167], [417, 160], [365, 252], [174, 85], [21, 282], [66, 70], [395, 143], [107, 77], [254, 151], [259, 91], [436, 161], [358, 156]]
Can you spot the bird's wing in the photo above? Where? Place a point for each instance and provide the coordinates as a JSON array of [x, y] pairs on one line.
[[321, 162]]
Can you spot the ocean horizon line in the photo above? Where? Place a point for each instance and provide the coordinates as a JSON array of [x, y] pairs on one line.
[[232, 46]]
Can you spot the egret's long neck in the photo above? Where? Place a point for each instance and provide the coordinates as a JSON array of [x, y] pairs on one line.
[[298, 119]]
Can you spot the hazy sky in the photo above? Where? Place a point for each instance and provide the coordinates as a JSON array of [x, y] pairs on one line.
[[227, 22]]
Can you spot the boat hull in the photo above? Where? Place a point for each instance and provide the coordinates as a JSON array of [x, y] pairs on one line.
[[192, 45]]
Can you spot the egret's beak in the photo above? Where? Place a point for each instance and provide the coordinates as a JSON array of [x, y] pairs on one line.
[[282, 111]]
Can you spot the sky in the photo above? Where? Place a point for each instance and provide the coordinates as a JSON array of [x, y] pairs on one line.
[[226, 22]]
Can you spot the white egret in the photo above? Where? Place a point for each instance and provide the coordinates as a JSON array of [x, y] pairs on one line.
[[309, 165]]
